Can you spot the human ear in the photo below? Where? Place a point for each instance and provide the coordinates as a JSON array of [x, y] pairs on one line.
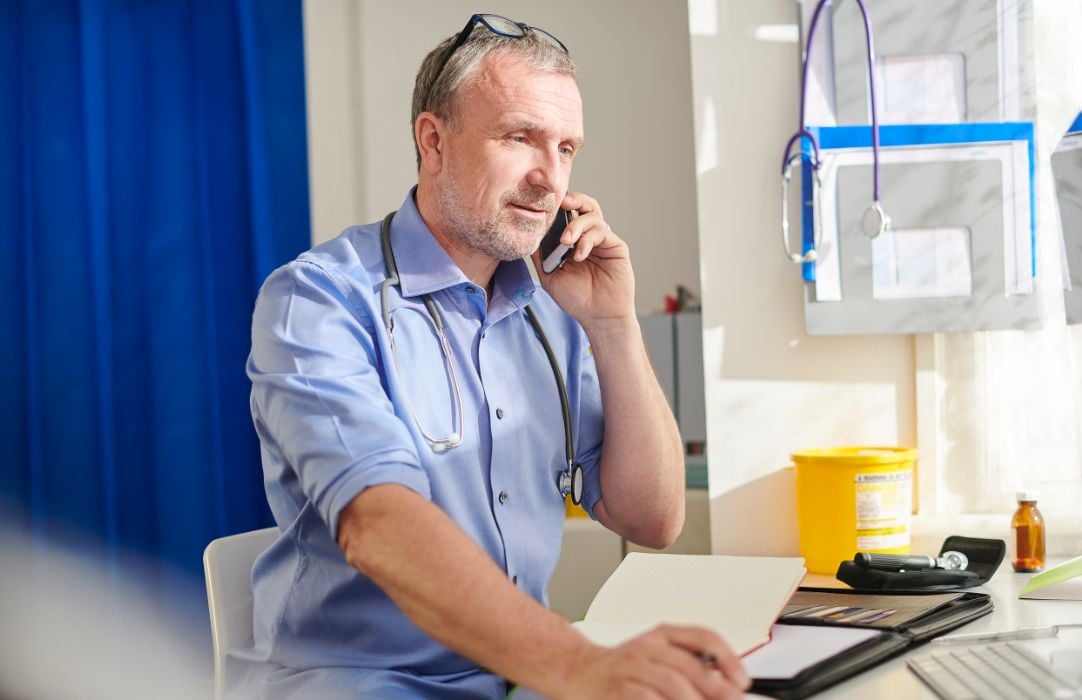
[[429, 131]]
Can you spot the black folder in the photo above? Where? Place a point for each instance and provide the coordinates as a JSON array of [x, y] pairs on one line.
[[917, 617]]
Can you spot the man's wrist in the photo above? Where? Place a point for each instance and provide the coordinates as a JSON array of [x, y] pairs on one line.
[[612, 329], [577, 660]]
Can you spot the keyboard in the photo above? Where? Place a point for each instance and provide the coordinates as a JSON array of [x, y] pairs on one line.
[[985, 671]]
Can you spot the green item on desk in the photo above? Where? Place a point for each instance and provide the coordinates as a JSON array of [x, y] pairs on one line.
[[1063, 582]]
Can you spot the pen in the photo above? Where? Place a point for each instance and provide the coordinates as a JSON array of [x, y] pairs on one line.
[[1004, 635]]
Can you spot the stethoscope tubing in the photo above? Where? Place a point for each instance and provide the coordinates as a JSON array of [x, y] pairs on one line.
[[569, 481], [870, 46], [878, 222], [393, 280]]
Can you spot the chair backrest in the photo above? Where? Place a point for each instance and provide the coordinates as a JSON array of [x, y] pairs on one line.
[[227, 564]]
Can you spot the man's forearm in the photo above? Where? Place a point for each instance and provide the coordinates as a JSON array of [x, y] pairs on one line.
[[453, 591], [642, 465]]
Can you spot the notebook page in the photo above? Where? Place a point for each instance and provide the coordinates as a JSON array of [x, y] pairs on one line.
[[611, 634], [721, 592], [794, 648]]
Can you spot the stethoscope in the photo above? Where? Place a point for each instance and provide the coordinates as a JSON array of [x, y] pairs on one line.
[[875, 221], [569, 481]]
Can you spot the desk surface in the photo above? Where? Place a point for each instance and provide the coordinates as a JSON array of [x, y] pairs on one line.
[[892, 680]]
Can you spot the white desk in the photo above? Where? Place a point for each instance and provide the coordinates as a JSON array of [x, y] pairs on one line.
[[892, 680]]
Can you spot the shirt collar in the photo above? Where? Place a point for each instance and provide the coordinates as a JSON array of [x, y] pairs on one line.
[[512, 281], [425, 267]]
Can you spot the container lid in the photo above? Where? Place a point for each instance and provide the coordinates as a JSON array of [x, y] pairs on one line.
[[1026, 496], [856, 455]]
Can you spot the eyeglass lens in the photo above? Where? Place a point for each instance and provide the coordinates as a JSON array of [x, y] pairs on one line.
[[498, 24], [502, 25]]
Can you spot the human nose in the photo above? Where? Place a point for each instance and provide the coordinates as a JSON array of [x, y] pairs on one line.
[[549, 171]]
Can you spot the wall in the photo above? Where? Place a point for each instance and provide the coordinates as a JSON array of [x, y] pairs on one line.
[[771, 389], [638, 161]]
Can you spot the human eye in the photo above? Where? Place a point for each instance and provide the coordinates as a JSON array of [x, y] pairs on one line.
[[567, 151]]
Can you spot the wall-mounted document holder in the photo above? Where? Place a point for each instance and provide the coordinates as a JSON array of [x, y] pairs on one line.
[[959, 255], [937, 61], [1067, 171]]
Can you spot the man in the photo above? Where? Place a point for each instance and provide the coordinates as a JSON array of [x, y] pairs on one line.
[[412, 431]]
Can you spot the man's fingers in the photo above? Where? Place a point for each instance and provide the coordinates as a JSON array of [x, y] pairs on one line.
[[670, 683], [711, 650], [679, 674], [586, 233], [670, 660], [589, 217], [658, 665], [582, 203], [586, 243]]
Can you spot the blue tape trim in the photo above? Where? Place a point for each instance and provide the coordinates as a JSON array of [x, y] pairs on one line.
[[1032, 208], [921, 134], [807, 212], [1077, 125], [838, 137]]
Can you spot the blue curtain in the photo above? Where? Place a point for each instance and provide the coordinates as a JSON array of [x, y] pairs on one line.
[[153, 171]]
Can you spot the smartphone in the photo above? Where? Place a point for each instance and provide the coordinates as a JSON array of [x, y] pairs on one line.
[[554, 253]]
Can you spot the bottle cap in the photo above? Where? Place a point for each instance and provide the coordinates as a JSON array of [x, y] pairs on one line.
[[1026, 496]]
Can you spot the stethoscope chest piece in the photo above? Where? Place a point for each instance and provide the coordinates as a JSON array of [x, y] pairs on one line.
[[874, 222], [571, 483]]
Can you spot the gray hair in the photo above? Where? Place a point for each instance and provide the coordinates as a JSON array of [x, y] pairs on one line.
[[440, 97]]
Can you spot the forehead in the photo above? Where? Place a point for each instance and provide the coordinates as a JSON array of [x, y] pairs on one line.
[[507, 90]]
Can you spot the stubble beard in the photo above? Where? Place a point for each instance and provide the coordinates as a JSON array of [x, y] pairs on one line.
[[502, 235]]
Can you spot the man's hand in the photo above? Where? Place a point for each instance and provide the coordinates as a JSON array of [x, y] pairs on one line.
[[597, 284], [666, 662]]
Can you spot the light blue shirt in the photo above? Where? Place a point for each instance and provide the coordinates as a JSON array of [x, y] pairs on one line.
[[333, 419]]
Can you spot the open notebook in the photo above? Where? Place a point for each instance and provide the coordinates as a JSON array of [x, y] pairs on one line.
[[737, 597]]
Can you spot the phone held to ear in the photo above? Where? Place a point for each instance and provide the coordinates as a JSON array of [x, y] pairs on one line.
[[554, 253]]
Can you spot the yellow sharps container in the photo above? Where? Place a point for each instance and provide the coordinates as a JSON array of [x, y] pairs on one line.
[[853, 499]]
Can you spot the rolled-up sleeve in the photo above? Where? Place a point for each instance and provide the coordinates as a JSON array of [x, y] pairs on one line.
[[317, 396]]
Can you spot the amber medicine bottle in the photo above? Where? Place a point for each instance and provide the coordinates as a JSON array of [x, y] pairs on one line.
[[1028, 526]]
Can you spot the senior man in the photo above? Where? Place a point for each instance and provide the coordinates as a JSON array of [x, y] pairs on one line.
[[423, 407]]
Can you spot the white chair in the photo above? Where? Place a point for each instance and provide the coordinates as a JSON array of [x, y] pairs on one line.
[[227, 564]]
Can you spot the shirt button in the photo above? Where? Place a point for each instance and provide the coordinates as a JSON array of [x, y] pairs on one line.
[[499, 413], [514, 580], [471, 290], [503, 497]]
